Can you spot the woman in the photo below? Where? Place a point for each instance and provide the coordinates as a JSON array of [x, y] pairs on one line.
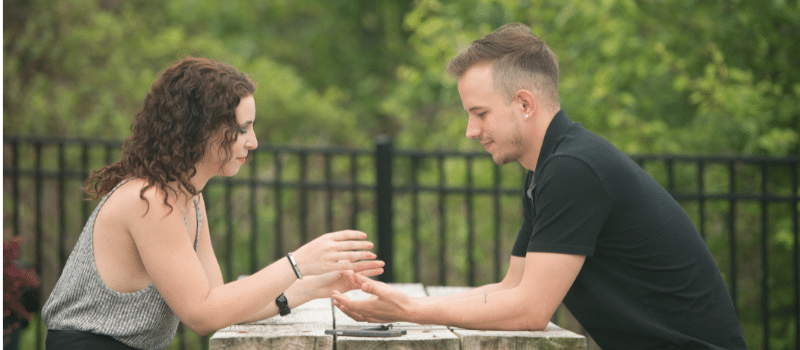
[[140, 266]]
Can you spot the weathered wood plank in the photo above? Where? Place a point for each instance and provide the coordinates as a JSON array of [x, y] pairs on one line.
[[417, 336], [552, 337], [275, 336], [304, 328]]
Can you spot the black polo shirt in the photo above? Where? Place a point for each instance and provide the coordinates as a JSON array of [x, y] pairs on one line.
[[649, 281]]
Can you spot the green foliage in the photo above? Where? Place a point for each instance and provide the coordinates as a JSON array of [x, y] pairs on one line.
[[652, 77]]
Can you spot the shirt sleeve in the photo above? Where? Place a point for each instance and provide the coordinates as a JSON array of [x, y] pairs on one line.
[[570, 207]]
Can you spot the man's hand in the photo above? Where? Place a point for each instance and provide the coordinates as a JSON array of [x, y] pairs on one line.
[[342, 281], [385, 305]]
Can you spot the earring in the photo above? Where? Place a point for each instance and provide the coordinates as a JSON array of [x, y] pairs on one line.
[[526, 116]]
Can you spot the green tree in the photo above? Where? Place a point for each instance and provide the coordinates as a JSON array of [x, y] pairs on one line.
[[653, 77]]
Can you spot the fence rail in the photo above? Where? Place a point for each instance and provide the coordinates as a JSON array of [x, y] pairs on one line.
[[437, 217]]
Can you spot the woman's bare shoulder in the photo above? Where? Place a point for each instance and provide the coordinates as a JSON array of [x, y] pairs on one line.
[[130, 198]]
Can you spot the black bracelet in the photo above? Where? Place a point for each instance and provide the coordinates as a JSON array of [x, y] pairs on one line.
[[294, 266], [283, 305]]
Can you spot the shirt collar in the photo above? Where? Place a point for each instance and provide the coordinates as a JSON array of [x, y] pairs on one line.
[[557, 127]]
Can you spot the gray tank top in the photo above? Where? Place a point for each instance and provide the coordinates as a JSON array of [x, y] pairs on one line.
[[81, 301]]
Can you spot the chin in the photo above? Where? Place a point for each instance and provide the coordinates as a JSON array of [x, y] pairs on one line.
[[503, 160], [231, 171]]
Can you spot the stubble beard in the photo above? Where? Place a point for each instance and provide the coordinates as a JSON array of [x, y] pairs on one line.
[[513, 154]]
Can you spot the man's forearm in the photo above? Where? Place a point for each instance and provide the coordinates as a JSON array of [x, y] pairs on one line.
[[489, 288], [481, 308], [539, 286]]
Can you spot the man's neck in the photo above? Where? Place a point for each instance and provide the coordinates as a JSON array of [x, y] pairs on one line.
[[535, 132]]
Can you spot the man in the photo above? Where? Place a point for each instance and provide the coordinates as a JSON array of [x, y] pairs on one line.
[[598, 233]]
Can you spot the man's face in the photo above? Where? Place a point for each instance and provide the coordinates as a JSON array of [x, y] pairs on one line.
[[491, 121]]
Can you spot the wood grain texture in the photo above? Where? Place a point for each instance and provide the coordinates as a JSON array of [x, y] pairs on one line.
[[274, 336], [304, 328], [417, 336]]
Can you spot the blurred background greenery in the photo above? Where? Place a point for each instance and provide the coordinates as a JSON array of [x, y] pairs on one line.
[[654, 77], [686, 77]]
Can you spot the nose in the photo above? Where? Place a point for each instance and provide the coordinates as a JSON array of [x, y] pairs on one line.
[[473, 129], [252, 142]]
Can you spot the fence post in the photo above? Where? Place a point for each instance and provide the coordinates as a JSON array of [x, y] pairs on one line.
[[383, 205]]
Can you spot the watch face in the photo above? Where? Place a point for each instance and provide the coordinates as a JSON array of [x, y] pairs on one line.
[[281, 300], [283, 305]]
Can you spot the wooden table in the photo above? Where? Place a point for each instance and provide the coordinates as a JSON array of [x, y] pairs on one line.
[[305, 328]]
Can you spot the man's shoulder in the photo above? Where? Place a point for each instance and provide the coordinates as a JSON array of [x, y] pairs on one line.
[[591, 148], [580, 150], [577, 139], [579, 143]]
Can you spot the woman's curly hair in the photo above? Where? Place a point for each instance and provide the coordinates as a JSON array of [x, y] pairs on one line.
[[186, 105]]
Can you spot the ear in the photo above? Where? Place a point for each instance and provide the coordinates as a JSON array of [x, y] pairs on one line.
[[527, 102]]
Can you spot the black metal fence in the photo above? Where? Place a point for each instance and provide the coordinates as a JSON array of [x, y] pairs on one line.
[[437, 217]]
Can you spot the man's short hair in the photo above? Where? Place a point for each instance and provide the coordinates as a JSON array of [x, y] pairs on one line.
[[520, 60]]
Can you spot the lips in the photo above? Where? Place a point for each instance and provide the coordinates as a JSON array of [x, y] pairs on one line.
[[242, 160]]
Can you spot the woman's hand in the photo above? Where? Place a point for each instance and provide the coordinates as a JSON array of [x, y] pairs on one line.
[[341, 281], [336, 251]]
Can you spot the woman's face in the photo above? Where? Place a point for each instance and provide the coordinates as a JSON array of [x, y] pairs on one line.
[[214, 158]]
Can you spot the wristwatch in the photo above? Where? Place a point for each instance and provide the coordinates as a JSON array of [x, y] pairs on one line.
[[283, 305]]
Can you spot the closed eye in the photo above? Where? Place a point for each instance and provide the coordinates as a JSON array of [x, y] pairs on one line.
[[243, 129]]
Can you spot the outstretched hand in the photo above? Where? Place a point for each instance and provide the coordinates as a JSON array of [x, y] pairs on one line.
[[343, 281], [335, 251], [385, 305]]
